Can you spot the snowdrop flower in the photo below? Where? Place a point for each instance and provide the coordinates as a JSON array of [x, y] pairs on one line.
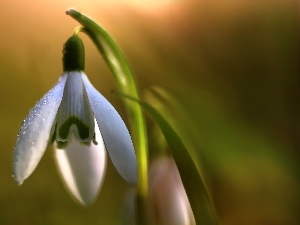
[[81, 124], [168, 201]]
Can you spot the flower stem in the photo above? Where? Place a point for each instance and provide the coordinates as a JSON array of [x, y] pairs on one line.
[[77, 30], [124, 78]]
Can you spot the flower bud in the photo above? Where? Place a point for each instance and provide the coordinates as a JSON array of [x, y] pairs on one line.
[[168, 200]]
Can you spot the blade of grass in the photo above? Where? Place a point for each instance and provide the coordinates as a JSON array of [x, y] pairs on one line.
[[123, 76], [201, 203]]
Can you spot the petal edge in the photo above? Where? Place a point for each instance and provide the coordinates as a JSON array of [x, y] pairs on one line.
[[35, 131], [114, 132]]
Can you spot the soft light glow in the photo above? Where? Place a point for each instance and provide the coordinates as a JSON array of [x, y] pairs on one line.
[[147, 4], [90, 5]]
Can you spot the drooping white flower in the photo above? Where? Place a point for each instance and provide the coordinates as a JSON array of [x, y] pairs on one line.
[[82, 125], [168, 201]]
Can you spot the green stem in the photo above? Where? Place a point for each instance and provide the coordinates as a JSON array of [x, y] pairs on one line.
[[118, 65], [199, 198]]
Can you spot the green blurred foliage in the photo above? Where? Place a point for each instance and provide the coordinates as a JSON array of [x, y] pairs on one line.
[[224, 72]]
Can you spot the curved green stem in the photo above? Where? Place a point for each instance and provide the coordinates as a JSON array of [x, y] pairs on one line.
[[117, 63], [77, 30], [199, 198]]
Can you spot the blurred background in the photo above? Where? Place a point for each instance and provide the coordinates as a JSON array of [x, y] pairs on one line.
[[225, 73]]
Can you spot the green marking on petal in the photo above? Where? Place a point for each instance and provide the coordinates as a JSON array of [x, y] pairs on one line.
[[75, 116], [83, 130], [64, 144], [61, 144]]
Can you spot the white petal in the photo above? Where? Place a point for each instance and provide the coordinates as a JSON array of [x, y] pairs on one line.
[[35, 132], [115, 134], [168, 201], [75, 115], [82, 167]]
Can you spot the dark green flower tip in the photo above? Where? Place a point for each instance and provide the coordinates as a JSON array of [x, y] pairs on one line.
[[73, 54]]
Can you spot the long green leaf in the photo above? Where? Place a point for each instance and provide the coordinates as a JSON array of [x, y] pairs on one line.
[[202, 206]]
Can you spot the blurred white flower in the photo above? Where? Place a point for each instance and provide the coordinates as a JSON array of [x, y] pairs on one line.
[[168, 202], [81, 124]]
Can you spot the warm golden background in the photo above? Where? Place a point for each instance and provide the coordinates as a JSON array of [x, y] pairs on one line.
[[225, 73]]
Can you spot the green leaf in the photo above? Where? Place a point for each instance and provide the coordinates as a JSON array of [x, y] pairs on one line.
[[202, 206]]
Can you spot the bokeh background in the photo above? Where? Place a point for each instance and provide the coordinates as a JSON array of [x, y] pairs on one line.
[[225, 73]]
